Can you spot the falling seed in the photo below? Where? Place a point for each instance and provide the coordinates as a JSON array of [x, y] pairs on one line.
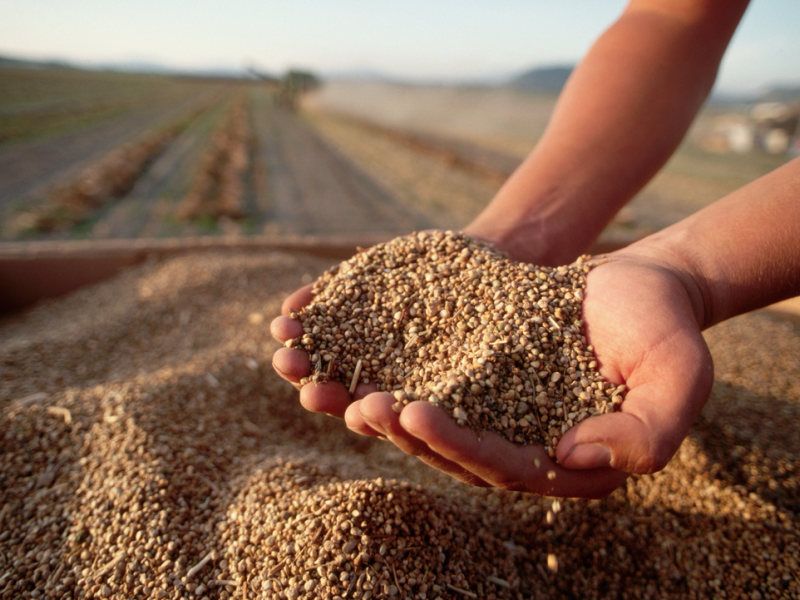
[[552, 563]]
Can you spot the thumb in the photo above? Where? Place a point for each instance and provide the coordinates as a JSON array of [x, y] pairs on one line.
[[619, 440], [663, 402]]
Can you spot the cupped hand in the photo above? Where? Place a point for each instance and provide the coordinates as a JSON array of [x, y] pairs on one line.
[[640, 319]]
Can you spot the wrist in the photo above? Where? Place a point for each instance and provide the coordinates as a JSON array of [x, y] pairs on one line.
[[740, 253], [524, 244], [672, 251], [540, 231]]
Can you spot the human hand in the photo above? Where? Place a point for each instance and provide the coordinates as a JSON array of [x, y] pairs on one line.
[[332, 397], [639, 317]]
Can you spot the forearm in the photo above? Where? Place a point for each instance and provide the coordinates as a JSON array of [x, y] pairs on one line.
[[624, 111], [740, 253]]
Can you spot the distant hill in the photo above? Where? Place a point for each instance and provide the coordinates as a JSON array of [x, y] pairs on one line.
[[149, 68], [21, 63], [545, 80], [780, 94]]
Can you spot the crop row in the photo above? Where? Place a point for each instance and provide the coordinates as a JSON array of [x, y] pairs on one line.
[[218, 190], [216, 181], [238, 162], [71, 201]]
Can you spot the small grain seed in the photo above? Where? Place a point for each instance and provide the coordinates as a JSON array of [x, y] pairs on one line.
[[175, 478], [552, 563]]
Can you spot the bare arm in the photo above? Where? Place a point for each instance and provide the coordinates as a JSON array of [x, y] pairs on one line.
[[624, 111], [622, 114], [740, 253]]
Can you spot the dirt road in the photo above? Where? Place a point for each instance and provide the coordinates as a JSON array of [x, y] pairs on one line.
[[315, 189]]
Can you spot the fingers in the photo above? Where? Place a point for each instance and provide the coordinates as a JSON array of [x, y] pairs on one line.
[[501, 463], [376, 412], [285, 328], [298, 299], [291, 364], [666, 394], [331, 398], [357, 423]]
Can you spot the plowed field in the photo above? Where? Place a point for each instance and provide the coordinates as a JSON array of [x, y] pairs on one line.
[[222, 158]]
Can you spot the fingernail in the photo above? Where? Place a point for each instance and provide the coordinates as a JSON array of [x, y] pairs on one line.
[[588, 456]]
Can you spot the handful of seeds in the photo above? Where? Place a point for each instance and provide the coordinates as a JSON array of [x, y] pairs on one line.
[[448, 319]]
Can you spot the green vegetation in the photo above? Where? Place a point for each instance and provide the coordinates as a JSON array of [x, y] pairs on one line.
[[207, 224]]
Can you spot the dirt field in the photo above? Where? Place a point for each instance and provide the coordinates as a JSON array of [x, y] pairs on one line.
[[358, 157], [508, 123], [228, 160]]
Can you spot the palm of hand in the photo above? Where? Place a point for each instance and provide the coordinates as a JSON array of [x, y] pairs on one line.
[[639, 319]]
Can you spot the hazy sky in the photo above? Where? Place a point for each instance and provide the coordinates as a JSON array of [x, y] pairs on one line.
[[405, 38]]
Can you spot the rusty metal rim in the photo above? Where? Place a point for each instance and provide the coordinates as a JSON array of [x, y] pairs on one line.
[[33, 271], [92, 248]]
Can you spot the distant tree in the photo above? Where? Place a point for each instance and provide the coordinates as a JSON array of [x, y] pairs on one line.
[[543, 80], [303, 81], [294, 84]]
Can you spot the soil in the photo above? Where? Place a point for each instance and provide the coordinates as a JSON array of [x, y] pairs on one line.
[[295, 181], [29, 168], [494, 129]]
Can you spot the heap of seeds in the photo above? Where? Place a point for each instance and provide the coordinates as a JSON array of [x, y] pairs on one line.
[[447, 319], [299, 531], [141, 448]]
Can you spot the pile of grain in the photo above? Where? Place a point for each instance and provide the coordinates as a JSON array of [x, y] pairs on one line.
[[148, 451], [447, 319], [358, 538]]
